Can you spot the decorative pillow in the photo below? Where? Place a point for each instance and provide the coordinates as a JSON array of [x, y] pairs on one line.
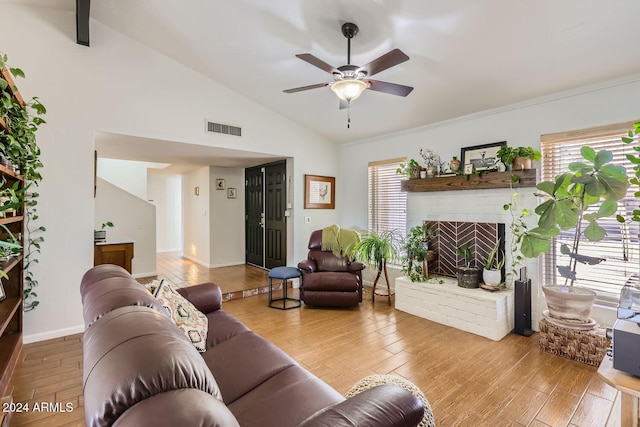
[[188, 318], [153, 285]]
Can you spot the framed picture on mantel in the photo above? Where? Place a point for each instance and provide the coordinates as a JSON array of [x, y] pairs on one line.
[[319, 192], [482, 157]]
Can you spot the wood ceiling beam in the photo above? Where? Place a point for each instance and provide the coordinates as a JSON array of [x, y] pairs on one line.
[[82, 21]]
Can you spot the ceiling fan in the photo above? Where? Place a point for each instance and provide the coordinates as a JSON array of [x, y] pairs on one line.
[[349, 81]]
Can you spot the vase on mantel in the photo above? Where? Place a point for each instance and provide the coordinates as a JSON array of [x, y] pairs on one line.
[[454, 165]]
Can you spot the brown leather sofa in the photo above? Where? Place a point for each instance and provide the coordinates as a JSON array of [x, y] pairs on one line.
[[141, 370], [329, 280]]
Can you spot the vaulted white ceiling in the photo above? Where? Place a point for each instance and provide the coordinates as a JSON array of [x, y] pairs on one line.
[[466, 55]]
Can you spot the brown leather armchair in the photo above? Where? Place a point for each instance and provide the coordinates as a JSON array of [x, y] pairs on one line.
[[329, 280]]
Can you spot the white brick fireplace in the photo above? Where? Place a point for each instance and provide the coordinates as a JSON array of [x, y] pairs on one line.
[[488, 318]]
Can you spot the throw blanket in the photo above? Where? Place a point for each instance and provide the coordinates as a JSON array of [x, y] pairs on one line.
[[339, 240]]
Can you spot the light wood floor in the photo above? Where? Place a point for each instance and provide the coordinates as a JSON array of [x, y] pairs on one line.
[[235, 281], [469, 380]]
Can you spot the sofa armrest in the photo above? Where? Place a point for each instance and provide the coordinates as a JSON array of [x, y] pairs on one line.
[[356, 266], [206, 297], [383, 406], [308, 266]]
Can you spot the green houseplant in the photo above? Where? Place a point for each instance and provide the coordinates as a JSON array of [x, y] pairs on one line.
[[375, 249], [574, 202], [630, 138], [102, 233], [410, 168], [518, 158], [18, 147], [492, 272], [468, 276], [416, 252]]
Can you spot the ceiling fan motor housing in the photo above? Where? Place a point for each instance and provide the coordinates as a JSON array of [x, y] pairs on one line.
[[349, 30]]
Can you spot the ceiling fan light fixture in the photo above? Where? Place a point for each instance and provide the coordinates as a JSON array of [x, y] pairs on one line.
[[348, 89]]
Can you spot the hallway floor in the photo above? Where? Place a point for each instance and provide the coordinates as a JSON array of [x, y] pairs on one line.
[[237, 281]]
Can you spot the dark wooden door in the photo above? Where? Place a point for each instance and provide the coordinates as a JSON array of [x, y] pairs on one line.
[[275, 207], [265, 206], [254, 216]]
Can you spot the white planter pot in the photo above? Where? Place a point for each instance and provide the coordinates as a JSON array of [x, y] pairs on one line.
[[569, 303], [492, 277]]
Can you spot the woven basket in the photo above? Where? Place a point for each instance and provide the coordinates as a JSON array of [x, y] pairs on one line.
[[588, 346], [380, 379]]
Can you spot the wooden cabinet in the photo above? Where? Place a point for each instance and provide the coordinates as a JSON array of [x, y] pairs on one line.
[[116, 252], [12, 285]]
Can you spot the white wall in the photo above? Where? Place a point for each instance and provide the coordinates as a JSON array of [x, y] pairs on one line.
[[165, 192], [610, 102], [133, 219], [196, 228], [123, 87], [129, 175], [227, 218]]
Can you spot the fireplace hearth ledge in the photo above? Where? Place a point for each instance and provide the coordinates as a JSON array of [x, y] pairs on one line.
[[488, 314]]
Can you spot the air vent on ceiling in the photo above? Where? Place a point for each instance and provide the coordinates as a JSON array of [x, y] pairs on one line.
[[225, 129]]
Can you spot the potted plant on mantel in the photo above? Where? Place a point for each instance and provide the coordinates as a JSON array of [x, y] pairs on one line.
[[411, 169], [518, 158], [593, 184], [375, 249], [431, 162]]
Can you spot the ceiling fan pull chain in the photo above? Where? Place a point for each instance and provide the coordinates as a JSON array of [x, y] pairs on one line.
[[348, 114]]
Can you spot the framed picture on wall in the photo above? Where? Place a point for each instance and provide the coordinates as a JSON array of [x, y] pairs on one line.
[[482, 157], [220, 184], [319, 192], [231, 193]]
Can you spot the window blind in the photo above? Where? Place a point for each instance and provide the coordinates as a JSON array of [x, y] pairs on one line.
[[620, 247], [387, 203]]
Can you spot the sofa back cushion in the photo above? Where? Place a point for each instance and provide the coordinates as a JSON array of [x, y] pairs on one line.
[[107, 287], [132, 354]]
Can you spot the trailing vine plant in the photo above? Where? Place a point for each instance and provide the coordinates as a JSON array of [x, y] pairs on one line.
[[630, 138], [19, 146], [518, 228]]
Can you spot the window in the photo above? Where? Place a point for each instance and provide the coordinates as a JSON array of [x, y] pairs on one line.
[[387, 203], [620, 247]]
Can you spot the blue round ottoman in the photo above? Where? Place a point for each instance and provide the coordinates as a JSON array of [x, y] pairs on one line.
[[284, 274]]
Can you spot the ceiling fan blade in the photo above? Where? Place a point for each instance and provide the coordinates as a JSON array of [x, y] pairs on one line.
[[307, 57], [388, 60], [390, 88], [301, 88]]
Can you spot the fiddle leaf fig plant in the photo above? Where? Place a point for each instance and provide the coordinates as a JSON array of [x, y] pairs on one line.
[[576, 200]]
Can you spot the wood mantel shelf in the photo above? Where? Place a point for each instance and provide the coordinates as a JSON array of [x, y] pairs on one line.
[[472, 182]]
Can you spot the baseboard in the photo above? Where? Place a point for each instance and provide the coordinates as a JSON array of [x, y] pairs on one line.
[[162, 251], [27, 339], [139, 275], [231, 264], [197, 261]]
